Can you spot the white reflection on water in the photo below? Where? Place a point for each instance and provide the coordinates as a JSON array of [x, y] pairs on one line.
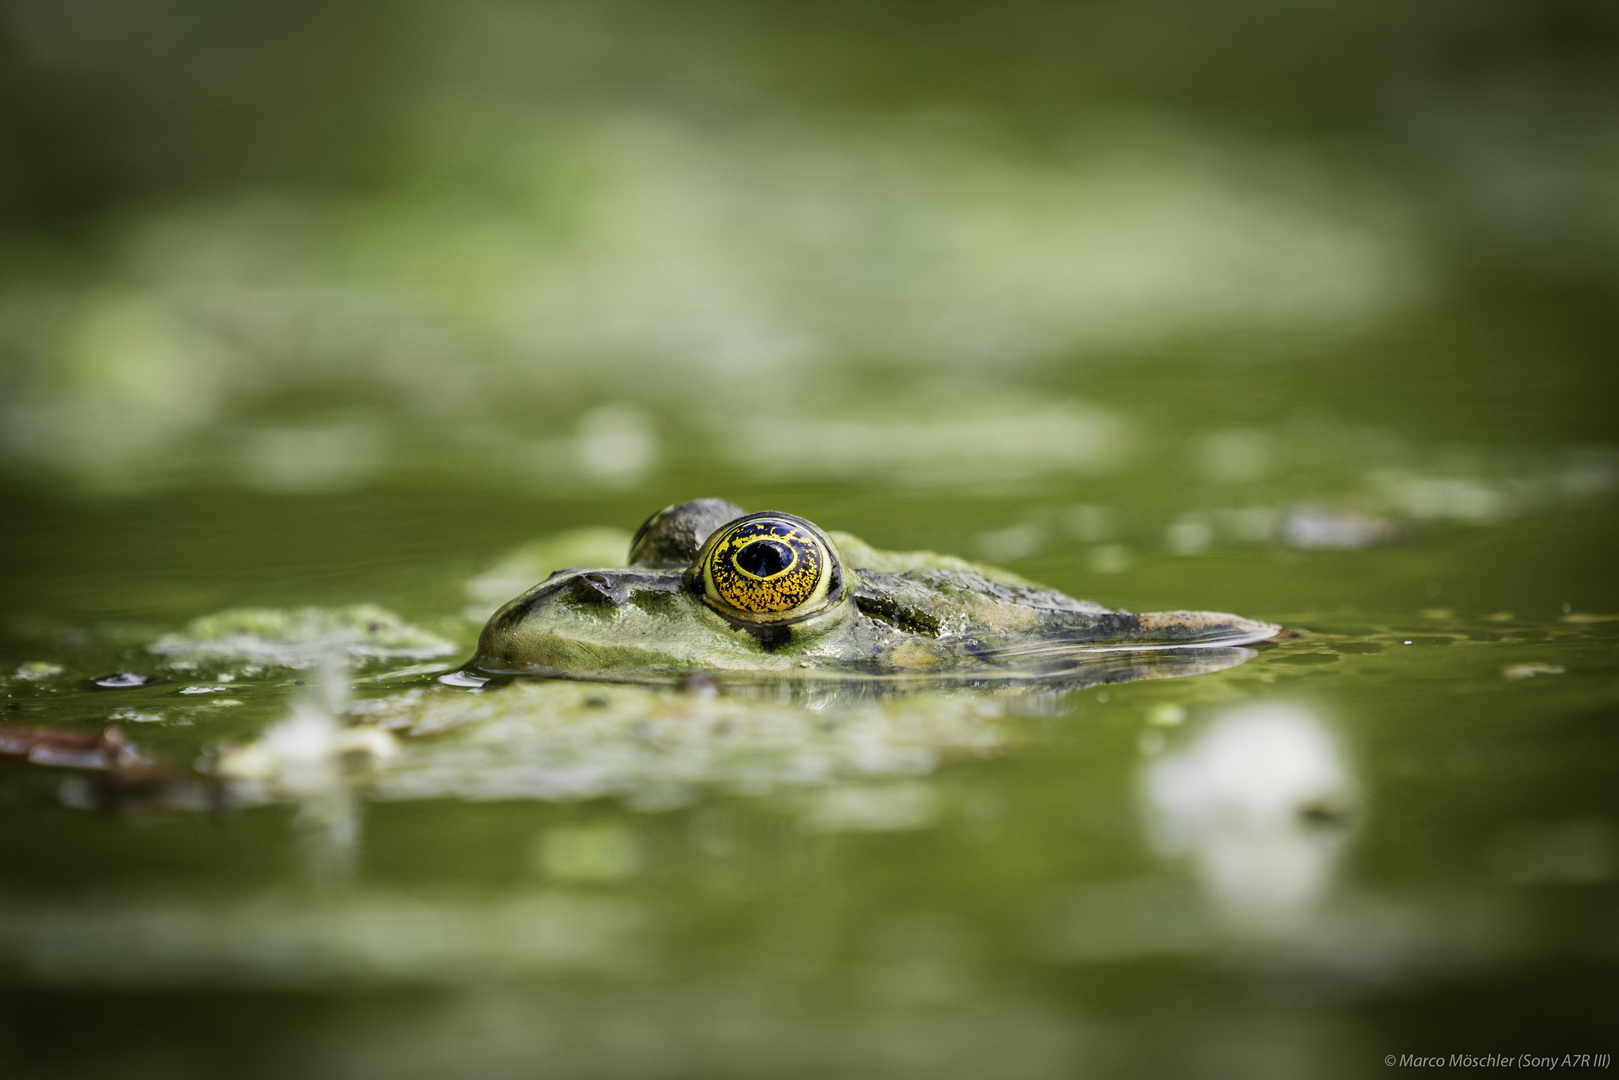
[[337, 455], [1580, 851], [714, 1027], [615, 444], [356, 939], [995, 441], [1256, 802], [591, 852], [892, 807], [301, 759]]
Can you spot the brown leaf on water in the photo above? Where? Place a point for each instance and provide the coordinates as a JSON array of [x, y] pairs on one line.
[[121, 779], [68, 749]]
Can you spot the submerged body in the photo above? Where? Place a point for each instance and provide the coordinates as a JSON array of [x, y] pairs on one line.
[[711, 589]]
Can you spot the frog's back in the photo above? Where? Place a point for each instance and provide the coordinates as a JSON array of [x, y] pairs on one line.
[[969, 616]]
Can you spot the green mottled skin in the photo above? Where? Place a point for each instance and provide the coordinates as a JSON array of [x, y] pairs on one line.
[[900, 613]]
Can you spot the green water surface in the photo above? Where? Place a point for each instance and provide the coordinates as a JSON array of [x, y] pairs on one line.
[[1017, 913], [1303, 312]]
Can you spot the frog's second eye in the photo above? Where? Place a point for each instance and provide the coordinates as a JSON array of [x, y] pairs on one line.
[[767, 568]]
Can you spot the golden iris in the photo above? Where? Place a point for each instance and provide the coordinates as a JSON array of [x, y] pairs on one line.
[[766, 565]]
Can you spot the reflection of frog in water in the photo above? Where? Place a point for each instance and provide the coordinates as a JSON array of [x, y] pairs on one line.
[[710, 588]]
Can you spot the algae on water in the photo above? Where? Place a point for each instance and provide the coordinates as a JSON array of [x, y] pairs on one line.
[[298, 637]]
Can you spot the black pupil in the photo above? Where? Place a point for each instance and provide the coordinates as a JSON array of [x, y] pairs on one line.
[[764, 558]]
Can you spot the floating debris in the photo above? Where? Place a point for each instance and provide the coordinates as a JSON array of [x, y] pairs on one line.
[[68, 749], [304, 754], [1313, 528], [566, 740], [1012, 543], [135, 716], [123, 680], [1529, 671], [1581, 851], [359, 938], [1167, 715], [300, 637], [1110, 559], [984, 442], [902, 806], [1191, 535], [591, 852]]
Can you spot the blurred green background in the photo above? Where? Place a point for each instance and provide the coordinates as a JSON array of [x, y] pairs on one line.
[[553, 246], [1305, 310]]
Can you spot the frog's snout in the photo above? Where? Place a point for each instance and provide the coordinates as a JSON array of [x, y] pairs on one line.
[[595, 593]]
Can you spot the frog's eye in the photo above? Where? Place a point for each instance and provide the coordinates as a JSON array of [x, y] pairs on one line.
[[768, 568]]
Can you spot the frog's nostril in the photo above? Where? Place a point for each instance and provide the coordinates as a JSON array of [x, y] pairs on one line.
[[764, 558], [593, 590]]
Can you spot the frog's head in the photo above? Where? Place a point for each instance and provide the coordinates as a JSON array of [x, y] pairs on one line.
[[707, 588]]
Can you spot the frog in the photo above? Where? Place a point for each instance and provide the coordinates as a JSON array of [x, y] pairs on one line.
[[709, 589]]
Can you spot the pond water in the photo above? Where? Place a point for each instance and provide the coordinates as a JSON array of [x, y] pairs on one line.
[[1395, 833], [321, 337]]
